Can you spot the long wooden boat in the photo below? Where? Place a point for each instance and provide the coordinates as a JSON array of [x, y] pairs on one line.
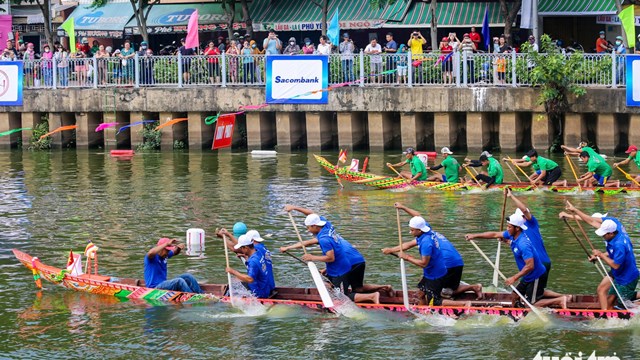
[[581, 306], [394, 182]]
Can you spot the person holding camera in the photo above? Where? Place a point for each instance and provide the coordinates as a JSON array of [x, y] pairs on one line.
[[467, 47], [347, 49], [155, 268], [272, 45], [415, 43]]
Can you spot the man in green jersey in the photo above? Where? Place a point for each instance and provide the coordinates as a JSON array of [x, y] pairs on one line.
[[494, 173], [418, 169], [450, 165], [634, 156], [546, 171], [598, 172], [582, 147]]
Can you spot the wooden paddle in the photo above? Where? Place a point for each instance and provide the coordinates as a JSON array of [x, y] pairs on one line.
[[523, 172], [226, 257], [628, 176], [402, 177], [472, 176], [573, 170], [581, 244], [495, 271], [533, 309], [512, 171], [403, 270], [315, 274]]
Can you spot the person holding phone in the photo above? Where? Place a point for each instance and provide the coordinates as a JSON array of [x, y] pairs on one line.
[[415, 43]]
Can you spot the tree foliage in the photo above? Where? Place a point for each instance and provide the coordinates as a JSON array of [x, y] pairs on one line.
[[379, 4], [509, 14]]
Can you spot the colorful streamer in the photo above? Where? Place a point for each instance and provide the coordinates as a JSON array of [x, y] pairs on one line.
[[135, 124], [61, 128], [105, 125], [9, 132], [170, 123]]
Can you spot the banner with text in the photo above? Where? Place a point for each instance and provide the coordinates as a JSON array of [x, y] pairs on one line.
[[633, 80], [223, 134], [10, 83], [297, 79]]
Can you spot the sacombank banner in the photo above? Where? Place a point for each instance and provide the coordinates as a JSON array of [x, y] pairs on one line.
[[633, 79], [297, 79], [10, 83]]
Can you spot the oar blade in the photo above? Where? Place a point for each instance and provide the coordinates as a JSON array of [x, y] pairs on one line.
[[320, 285], [405, 288]]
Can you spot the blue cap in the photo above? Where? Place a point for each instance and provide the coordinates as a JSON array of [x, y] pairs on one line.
[[239, 228]]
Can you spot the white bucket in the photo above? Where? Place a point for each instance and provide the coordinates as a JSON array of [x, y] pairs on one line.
[[195, 242]]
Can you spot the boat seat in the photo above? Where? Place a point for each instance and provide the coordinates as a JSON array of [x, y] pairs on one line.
[[96, 277]]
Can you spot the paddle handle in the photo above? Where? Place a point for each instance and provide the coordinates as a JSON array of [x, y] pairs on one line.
[[628, 176], [403, 270], [472, 176], [295, 227], [226, 257], [582, 246], [512, 171], [397, 173], [573, 170]]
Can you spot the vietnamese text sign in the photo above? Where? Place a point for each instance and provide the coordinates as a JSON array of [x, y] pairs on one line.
[[297, 79], [633, 79], [10, 83], [223, 134]]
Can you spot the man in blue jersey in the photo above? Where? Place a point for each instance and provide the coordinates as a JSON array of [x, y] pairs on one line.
[[334, 254], [259, 277], [240, 229], [452, 283], [624, 271], [530, 267], [155, 268]]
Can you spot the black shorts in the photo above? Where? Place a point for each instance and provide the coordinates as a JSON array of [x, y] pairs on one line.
[[452, 279], [526, 289], [484, 178], [501, 75], [552, 176], [431, 290], [544, 279], [342, 282], [356, 276]]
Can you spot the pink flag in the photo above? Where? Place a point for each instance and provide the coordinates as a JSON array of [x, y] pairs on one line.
[[192, 40]]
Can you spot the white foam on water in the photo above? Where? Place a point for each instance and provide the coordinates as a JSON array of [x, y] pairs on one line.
[[343, 306], [434, 319], [245, 301], [483, 321]]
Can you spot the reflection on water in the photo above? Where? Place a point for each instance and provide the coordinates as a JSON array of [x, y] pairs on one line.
[[53, 202]]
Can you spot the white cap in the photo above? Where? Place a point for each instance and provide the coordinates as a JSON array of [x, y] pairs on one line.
[[599, 215], [418, 222], [243, 240], [445, 150], [254, 235], [519, 212], [608, 226], [313, 219], [517, 220], [486, 153]]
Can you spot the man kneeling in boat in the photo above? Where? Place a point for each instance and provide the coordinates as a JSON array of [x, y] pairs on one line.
[[257, 241], [259, 277], [155, 268], [546, 171], [452, 284], [598, 172], [494, 173], [451, 168], [344, 268], [529, 264], [418, 169]]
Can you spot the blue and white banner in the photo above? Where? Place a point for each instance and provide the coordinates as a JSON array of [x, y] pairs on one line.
[[633, 80], [11, 83], [297, 79]]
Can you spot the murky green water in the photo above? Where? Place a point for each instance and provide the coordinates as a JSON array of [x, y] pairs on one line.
[[53, 202]]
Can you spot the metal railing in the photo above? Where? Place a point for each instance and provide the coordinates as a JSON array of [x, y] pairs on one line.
[[457, 69]]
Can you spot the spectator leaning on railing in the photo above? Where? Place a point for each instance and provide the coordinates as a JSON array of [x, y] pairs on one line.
[[375, 61], [620, 49], [415, 43], [212, 53], [233, 52], [391, 48], [602, 45], [258, 60], [127, 53], [292, 48], [445, 50], [272, 45], [101, 58], [308, 48], [324, 48], [47, 66], [347, 49], [467, 47], [248, 75]]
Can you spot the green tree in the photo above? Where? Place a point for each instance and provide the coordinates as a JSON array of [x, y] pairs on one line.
[[509, 14], [555, 73], [141, 10]]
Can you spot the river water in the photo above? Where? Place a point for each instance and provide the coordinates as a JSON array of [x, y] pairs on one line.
[[53, 202]]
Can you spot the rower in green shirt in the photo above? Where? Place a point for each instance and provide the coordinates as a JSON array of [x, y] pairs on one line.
[[418, 169], [634, 156], [451, 168], [546, 171], [598, 172], [582, 147], [494, 173]]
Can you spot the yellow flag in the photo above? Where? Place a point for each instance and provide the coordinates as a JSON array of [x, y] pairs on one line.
[[628, 19], [69, 27]]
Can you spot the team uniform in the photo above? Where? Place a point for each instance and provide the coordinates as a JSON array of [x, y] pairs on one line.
[[267, 257], [494, 171], [452, 261], [433, 274], [155, 276], [600, 169], [417, 166], [530, 285], [338, 270], [534, 235], [262, 275], [451, 167], [358, 264], [551, 167], [625, 277]]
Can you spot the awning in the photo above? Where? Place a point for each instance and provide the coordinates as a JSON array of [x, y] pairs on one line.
[[174, 18], [451, 15], [106, 21], [305, 16], [32, 14], [576, 7]]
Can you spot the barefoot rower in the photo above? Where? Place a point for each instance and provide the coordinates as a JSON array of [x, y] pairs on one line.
[[634, 156], [620, 257], [598, 171], [451, 168], [335, 254], [494, 173], [418, 169], [259, 277], [528, 261], [451, 284]]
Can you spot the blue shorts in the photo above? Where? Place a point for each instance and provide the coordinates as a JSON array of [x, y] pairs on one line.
[[444, 178], [601, 179], [538, 172]]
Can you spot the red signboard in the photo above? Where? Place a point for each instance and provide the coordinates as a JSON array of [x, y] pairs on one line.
[[224, 132]]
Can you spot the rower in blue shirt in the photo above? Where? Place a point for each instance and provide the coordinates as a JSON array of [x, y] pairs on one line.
[[259, 277], [530, 267], [155, 268], [624, 271]]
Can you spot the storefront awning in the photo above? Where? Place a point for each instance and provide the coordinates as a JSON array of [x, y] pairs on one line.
[[173, 18], [306, 16], [107, 21], [576, 7], [450, 15], [31, 14]]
